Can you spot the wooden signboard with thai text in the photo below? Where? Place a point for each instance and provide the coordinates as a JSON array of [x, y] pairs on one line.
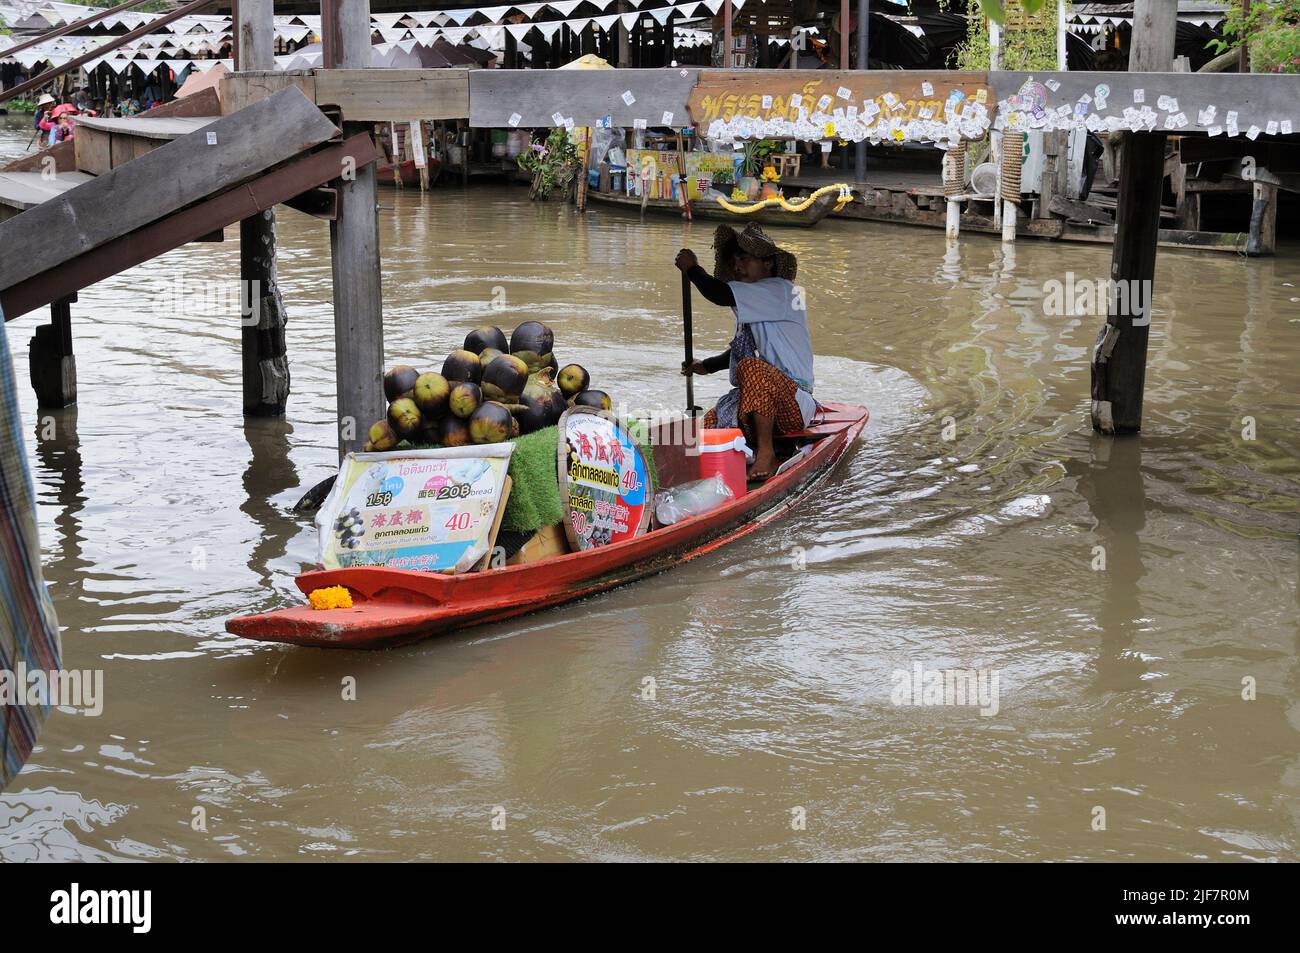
[[781, 94]]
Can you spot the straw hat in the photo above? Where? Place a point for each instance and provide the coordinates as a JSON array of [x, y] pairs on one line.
[[752, 241], [45, 100]]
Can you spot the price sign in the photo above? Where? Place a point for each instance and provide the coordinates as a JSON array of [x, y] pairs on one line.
[[604, 482], [430, 510]]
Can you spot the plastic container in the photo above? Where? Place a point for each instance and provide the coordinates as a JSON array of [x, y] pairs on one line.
[[678, 503], [723, 454]]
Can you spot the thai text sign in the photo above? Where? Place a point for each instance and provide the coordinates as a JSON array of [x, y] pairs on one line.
[[430, 510]]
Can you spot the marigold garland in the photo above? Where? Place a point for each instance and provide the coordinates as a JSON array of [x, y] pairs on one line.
[[331, 597]]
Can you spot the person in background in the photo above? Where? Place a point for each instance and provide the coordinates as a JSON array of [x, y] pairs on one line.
[[771, 357], [43, 106]]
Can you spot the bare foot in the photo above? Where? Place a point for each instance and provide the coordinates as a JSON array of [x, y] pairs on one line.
[[763, 467]]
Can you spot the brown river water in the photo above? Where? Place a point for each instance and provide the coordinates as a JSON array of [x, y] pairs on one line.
[[771, 733]]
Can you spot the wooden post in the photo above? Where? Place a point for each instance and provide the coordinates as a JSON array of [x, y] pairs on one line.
[[262, 314], [624, 50], [952, 224], [860, 148], [1243, 51], [51, 364], [844, 34], [1262, 239], [1120, 354], [726, 34], [354, 247]]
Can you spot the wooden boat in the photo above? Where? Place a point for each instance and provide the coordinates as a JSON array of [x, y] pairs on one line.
[[713, 212], [408, 172], [398, 606]]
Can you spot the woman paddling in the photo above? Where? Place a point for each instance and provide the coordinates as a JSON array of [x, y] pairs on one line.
[[770, 359]]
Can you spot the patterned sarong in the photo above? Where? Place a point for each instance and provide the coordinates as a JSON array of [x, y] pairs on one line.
[[759, 388], [29, 631]]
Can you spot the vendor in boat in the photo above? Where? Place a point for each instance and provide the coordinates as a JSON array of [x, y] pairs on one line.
[[771, 358]]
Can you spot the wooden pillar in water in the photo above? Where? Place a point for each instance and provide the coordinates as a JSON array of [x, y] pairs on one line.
[[49, 358], [354, 248], [261, 314], [1120, 355]]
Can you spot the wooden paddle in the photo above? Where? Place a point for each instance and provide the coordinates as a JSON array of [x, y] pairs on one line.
[[691, 409]]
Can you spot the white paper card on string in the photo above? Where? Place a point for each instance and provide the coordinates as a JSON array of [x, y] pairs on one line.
[[927, 88], [1216, 130], [638, 123], [1139, 95], [667, 119], [767, 102], [826, 146], [212, 138], [1271, 128], [514, 119], [1253, 132], [628, 97], [557, 118], [1285, 127], [1053, 85], [795, 100], [823, 104], [844, 93]]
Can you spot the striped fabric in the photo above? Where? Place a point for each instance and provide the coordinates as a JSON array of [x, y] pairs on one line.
[[29, 631]]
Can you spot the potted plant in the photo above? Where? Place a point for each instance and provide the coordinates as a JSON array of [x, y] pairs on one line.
[[553, 164]]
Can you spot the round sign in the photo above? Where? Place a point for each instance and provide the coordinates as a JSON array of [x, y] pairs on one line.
[[604, 481]]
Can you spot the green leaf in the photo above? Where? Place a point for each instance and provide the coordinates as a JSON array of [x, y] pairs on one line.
[[993, 10], [1032, 6]]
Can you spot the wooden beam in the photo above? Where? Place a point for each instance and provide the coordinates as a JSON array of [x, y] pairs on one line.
[[354, 249], [583, 95], [1078, 211], [397, 95], [722, 94], [227, 152], [113, 43], [300, 174], [242, 89], [72, 26]]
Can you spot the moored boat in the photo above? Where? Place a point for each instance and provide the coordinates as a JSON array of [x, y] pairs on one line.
[[397, 606], [769, 215], [407, 172]]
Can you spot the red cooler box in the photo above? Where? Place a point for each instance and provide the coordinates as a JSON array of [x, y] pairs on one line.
[[724, 453]]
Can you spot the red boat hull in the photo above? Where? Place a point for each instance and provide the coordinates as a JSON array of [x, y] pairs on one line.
[[397, 606]]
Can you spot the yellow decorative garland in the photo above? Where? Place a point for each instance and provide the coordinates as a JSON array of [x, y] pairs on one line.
[[331, 597], [844, 198]]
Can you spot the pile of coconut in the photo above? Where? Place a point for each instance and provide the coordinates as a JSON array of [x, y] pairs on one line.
[[489, 391]]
